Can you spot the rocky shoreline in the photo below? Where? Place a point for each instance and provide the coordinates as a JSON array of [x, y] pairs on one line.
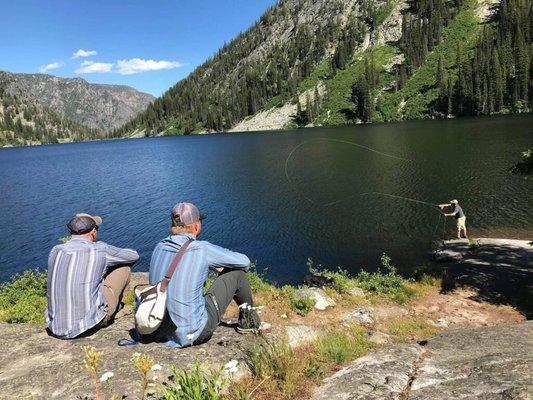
[[478, 354]]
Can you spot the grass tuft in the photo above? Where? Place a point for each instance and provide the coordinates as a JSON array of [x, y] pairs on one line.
[[339, 346]]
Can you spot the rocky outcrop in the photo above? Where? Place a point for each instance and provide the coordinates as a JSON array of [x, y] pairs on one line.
[[501, 270], [103, 107], [34, 365], [479, 363]]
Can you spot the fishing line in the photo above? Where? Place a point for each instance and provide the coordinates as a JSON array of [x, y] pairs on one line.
[[287, 160]]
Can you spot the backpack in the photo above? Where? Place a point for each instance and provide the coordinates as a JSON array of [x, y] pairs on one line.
[[152, 299]]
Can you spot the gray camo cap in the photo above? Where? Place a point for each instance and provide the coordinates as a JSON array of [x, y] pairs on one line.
[[185, 214], [83, 223]]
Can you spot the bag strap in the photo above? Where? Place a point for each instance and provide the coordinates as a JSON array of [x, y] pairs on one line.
[[172, 267]]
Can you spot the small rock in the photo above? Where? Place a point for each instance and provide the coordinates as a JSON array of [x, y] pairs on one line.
[[322, 300], [361, 315], [442, 323], [447, 255], [283, 316], [379, 337], [298, 335]]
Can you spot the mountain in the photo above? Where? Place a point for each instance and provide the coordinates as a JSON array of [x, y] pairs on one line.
[[97, 106], [24, 123], [332, 62]]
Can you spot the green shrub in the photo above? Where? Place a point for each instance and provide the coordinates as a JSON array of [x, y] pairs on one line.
[[23, 298], [389, 284], [257, 279], [302, 305], [199, 384], [342, 346], [341, 280]]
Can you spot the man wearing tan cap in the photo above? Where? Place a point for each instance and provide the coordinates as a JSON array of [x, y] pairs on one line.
[[86, 280], [192, 317]]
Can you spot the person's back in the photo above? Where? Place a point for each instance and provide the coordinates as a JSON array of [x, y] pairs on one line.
[[76, 272], [192, 317]]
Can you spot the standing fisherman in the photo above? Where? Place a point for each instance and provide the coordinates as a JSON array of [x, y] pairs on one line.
[[459, 216]]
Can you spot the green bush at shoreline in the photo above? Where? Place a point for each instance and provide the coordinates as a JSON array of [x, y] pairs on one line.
[[23, 298]]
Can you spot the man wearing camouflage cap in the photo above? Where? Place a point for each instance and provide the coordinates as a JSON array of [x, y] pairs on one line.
[[86, 280], [192, 317]]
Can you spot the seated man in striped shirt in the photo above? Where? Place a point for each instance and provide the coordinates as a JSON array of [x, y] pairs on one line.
[[86, 280], [192, 317]]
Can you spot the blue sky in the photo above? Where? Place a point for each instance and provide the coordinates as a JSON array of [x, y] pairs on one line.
[[147, 44]]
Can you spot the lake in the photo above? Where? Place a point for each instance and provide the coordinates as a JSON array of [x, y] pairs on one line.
[[279, 197]]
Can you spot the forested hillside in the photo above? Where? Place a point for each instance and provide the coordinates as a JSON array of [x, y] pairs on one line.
[[23, 123], [329, 62], [98, 106]]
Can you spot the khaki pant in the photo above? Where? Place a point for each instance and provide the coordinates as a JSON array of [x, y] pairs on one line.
[[461, 225], [115, 283]]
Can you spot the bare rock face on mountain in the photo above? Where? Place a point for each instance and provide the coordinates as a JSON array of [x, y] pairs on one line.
[[102, 107]]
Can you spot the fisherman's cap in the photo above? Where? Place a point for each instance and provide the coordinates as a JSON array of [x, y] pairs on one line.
[[454, 202], [83, 223], [185, 214]]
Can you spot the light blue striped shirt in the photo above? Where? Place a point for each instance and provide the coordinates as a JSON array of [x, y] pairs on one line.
[[185, 297], [76, 272]]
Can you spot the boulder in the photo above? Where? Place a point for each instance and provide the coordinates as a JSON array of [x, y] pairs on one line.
[[361, 315], [322, 300]]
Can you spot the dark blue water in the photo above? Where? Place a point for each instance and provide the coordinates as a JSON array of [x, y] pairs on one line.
[[239, 181]]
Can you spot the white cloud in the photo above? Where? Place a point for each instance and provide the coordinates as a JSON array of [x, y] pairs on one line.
[[88, 67], [45, 68], [84, 53], [138, 65]]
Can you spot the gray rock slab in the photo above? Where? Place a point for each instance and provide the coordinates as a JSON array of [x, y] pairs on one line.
[[500, 270], [479, 363], [383, 374], [34, 365], [467, 364]]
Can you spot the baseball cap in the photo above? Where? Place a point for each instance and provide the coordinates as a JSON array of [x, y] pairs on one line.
[[185, 214], [454, 202], [83, 223]]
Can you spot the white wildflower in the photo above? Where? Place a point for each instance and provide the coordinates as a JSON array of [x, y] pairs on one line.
[[243, 305], [106, 376], [136, 354], [231, 366], [156, 367]]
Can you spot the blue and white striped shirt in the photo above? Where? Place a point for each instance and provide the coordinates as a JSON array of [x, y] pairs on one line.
[[185, 298], [76, 272]]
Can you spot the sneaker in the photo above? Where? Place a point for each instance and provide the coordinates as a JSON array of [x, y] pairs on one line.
[[249, 321]]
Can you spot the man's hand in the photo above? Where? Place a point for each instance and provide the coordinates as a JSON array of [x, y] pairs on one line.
[[219, 270]]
